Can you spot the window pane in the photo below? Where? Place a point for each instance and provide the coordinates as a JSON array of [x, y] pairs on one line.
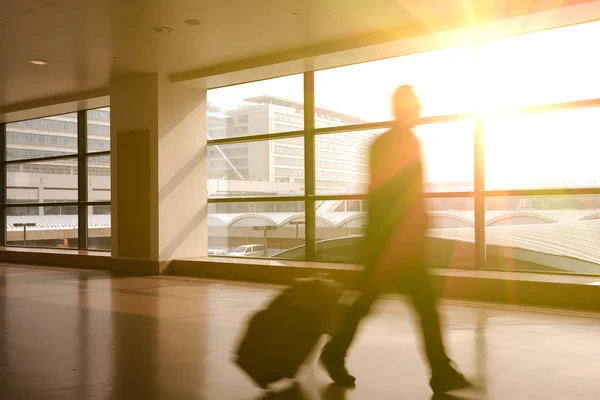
[[268, 106], [42, 137], [42, 230], [451, 233], [447, 151], [544, 233], [58, 209], [362, 92], [98, 129], [341, 224], [99, 178], [540, 68], [342, 159], [340, 230], [22, 211], [265, 168], [99, 233], [43, 182], [544, 150], [232, 227]]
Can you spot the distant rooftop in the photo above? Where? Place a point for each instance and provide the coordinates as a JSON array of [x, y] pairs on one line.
[[320, 111]]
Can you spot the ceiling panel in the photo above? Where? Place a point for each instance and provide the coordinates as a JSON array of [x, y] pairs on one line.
[[33, 45], [14, 8], [88, 43], [39, 20], [67, 77]]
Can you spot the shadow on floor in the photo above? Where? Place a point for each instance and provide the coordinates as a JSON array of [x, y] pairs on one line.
[[296, 392], [450, 397], [293, 392], [335, 392]]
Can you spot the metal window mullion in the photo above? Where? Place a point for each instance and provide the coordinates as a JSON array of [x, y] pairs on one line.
[[3, 182], [556, 107], [310, 211], [479, 170], [217, 200], [97, 203], [333, 129], [255, 138], [46, 204], [82, 187], [40, 159], [544, 192], [479, 195], [99, 153], [364, 196]]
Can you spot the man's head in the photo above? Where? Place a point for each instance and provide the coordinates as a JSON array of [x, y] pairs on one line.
[[407, 108]]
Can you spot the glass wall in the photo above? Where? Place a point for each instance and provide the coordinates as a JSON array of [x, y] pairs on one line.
[[541, 68], [257, 168], [547, 150], [361, 93], [57, 179], [509, 134], [257, 229]]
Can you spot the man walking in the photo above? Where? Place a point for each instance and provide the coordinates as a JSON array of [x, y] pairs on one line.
[[395, 246]]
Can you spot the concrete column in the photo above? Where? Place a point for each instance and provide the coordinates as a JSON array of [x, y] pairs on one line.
[[182, 178], [158, 179]]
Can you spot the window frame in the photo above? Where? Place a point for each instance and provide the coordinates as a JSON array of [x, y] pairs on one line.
[[479, 193], [82, 155]]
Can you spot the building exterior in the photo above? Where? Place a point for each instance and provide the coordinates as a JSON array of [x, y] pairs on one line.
[[53, 181], [341, 158]]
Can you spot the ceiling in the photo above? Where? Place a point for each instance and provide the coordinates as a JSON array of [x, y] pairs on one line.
[[88, 43]]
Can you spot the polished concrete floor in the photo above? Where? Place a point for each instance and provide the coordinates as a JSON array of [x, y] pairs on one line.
[[68, 334]]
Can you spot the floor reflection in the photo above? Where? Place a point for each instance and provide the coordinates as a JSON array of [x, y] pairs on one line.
[[298, 391], [135, 346], [293, 392], [82, 335], [334, 392], [3, 335], [447, 396], [481, 349]]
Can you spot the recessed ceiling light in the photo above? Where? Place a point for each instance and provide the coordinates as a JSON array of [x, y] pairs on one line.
[[162, 29], [38, 62], [193, 21]]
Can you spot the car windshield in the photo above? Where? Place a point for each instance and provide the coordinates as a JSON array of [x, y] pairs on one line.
[[240, 249]]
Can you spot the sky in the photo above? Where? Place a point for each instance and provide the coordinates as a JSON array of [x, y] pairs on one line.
[[521, 149]]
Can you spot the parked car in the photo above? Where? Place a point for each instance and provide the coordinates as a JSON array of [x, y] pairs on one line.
[[215, 252], [249, 250]]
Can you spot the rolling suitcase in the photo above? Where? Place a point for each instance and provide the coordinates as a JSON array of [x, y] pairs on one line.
[[278, 338]]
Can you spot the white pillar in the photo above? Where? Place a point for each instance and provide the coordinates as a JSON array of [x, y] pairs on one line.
[[158, 149], [182, 178]]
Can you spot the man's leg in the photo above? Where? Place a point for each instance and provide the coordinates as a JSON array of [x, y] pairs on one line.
[[418, 287], [340, 343], [333, 357]]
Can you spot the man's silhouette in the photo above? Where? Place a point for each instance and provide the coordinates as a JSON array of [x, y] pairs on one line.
[[395, 245]]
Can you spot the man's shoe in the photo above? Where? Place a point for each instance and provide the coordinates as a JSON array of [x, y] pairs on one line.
[[449, 380], [336, 368]]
